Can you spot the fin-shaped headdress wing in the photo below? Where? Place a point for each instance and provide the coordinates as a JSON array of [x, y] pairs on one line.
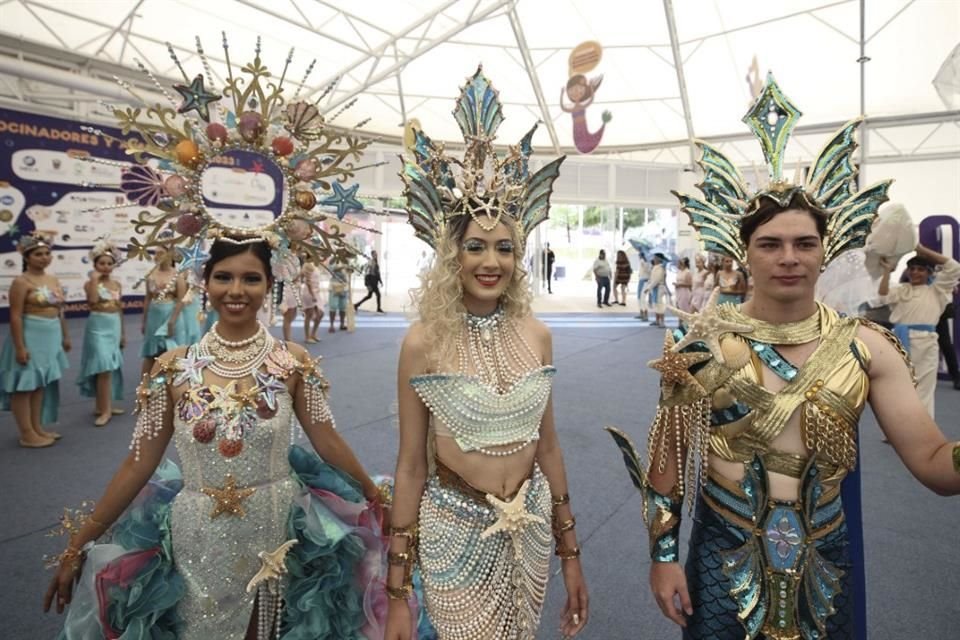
[[830, 186], [484, 185]]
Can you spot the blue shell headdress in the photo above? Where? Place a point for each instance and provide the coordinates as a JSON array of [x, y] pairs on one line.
[[828, 188], [440, 187]]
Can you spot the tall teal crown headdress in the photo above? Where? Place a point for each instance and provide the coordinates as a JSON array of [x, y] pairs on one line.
[[829, 187], [483, 185]]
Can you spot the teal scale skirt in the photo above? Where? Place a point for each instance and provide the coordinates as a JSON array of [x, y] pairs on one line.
[[155, 338], [44, 341], [101, 354]]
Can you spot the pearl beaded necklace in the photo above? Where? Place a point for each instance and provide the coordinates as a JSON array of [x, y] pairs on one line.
[[252, 354], [490, 348]]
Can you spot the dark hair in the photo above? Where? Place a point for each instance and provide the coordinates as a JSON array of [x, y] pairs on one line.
[[917, 261], [222, 249], [685, 262], [768, 208]]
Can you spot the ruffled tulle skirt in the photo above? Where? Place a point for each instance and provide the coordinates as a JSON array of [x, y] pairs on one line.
[[101, 354], [333, 589], [43, 338]]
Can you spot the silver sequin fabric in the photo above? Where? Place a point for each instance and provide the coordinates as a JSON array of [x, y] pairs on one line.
[[218, 556]]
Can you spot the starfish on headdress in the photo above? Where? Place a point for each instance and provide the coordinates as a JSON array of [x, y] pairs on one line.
[[190, 368], [512, 517], [196, 98], [343, 199], [272, 565], [228, 499], [674, 367], [268, 386], [193, 258], [707, 327]]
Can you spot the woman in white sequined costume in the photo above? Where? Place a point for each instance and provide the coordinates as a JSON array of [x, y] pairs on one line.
[[236, 525], [479, 458]]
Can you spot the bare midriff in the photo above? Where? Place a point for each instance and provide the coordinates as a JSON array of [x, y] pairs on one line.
[[499, 475]]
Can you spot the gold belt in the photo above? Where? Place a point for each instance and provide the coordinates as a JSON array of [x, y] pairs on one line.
[[450, 479]]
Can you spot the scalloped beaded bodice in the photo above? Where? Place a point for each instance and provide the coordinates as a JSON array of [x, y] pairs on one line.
[[477, 417], [262, 460]]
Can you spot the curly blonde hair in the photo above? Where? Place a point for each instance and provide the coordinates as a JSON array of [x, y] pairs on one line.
[[439, 299]]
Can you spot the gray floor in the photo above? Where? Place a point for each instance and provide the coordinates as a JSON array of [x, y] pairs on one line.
[[912, 561]]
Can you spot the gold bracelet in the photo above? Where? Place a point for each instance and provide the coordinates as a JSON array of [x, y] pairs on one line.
[[399, 593], [409, 532], [566, 525], [956, 457], [567, 554], [400, 558], [561, 500]]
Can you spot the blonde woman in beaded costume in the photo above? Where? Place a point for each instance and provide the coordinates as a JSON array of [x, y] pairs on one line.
[[206, 556], [481, 492], [759, 410]]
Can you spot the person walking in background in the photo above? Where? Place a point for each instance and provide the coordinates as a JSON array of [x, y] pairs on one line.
[[684, 285], [621, 279], [643, 274], [656, 289], [338, 298], [312, 302], [915, 308], [372, 281], [946, 344], [101, 361], [548, 259], [33, 356], [601, 273]]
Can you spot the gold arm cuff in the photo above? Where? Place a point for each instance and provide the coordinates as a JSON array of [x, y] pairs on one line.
[[956, 457], [561, 500]]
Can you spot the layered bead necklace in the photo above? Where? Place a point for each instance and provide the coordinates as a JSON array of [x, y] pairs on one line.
[[233, 359], [494, 348]]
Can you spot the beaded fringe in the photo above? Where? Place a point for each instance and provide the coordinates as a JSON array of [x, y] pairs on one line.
[[151, 406], [683, 427]]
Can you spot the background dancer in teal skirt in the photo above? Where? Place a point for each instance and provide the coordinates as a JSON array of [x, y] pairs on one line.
[[162, 308], [101, 361], [33, 359]]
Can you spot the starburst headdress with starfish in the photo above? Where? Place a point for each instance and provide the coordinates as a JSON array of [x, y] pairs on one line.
[[197, 154], [829, 187], [484, 185]]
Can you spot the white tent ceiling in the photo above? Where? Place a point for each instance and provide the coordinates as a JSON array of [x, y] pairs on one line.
[[406, 59]]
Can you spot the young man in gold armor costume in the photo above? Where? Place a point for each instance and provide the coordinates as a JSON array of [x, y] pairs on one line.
[[759, 407]]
